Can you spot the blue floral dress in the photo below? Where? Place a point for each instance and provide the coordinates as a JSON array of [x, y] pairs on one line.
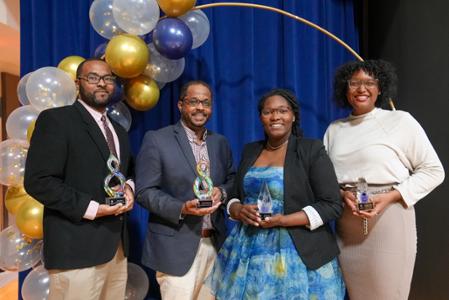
[[257, 263]]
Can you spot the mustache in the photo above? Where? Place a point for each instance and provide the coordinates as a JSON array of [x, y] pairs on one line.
[[199, 112], [101, 91]]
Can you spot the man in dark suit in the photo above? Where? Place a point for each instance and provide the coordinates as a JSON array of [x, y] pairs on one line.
[[85, 240], [182, 239]]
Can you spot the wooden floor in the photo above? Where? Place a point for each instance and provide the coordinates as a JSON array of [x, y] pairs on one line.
[[9, 290]]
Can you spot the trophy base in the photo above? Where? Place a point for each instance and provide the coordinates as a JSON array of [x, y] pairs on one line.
[[365, 206], [204, 203], [111, 201], [263, 216]]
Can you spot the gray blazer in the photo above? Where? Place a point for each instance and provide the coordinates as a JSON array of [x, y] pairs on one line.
[[165, 171]]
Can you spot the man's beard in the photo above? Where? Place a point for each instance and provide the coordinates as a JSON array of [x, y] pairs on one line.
[[91, 100]]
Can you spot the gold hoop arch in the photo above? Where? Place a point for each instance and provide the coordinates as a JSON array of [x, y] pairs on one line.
[[292, 16]]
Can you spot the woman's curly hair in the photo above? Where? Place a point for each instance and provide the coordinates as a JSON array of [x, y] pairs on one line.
[[381, 70]]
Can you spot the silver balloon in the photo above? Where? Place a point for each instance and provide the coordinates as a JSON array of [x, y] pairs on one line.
[[162, 69], [50, 87], [13, 155], [137, 284], [198, 24], [36, 285], [21, 90], [18, 252], [102, 19], [19, 120], [119, 112], [136, 16]]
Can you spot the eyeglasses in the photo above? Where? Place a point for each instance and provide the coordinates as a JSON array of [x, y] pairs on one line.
[[93, 78], [281, 110], [369, 84], [194, 102]]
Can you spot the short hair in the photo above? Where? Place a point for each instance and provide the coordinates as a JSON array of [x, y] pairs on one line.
[[292, 102], [381, 70], [185, 87], [81, 65]]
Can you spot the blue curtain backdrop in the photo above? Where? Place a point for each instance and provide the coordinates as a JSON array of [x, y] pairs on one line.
[[248, 52]]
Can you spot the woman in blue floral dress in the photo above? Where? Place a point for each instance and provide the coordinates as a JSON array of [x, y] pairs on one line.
[[291, 254]]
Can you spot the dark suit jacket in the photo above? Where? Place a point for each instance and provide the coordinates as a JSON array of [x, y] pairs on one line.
[[309, 179], [165, 172], [65, 170]]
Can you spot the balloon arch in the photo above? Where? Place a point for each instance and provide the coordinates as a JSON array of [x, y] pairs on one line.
[[145, 52]]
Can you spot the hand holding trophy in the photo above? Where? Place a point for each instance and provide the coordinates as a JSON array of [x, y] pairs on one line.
[[116, 192], [203, 186]]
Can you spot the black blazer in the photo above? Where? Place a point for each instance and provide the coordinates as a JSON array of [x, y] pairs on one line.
[[65, 170], [309, 179]]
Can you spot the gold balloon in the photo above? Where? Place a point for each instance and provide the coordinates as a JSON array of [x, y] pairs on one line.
[[70, 64], [142, 93], [30, 130], [15, 197], [175, 8], [29, 219], [127, 55]]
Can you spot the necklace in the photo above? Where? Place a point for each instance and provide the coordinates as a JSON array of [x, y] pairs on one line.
[[272, 148]]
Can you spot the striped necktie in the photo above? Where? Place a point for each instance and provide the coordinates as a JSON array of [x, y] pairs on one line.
[[109, 137]]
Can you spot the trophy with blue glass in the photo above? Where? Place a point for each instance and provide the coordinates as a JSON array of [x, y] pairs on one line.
[[364, 201]]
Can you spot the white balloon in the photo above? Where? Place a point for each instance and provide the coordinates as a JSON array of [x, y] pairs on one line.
[[13, 155], [50, 87], [161, 68], [136, 16], [17, 252], [36, 285], [137, 284], [102, 19], [119, 112], [19, 120], [21, 90], [198, 24]]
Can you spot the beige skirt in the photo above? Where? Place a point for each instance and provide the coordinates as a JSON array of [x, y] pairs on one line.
[[378, 265]]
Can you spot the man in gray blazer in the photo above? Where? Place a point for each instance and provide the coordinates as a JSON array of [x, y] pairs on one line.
[[182, 239]]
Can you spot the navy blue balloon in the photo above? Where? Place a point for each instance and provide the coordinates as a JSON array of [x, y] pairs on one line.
[[147, 38], [100, 50], [172, 38]]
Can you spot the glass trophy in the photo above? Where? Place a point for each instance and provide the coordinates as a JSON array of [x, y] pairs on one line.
[[203, 186], [114, 183], [363, 198], [264, 202]]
